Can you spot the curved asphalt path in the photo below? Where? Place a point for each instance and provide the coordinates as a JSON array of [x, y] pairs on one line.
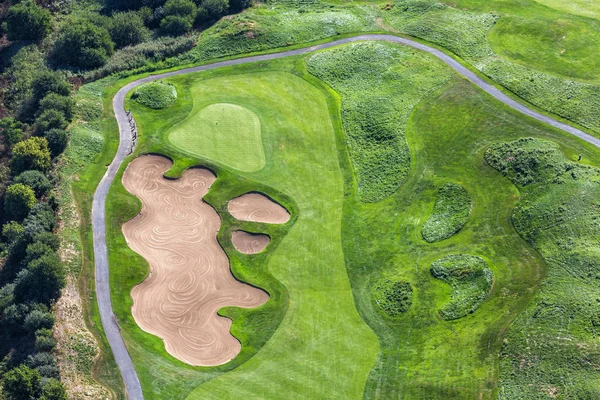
[[109, 322]]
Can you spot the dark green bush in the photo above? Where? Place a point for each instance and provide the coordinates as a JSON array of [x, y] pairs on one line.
[[175, 25], [32, 153], [11, 130], [18, 201], [47, 82], [36, 250], [44, 340], [83, 45], [127, 29], [57, 102], [450, 213], [35, 180], [393, 297], [216, 8], [27, 21], [22, 383], [42, 281], [53, 390], [51, 119], [183, 8], [38, 319], [155, 95], [57, 141]]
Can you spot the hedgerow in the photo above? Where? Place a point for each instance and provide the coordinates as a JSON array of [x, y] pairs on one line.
[[471, 281], [379, 84], [450, 213], [155, 95], [392, 297], [559, 215]]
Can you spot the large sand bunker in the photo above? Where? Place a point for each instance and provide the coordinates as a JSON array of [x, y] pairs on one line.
[[256, 207], [249, 243], [190, 279]]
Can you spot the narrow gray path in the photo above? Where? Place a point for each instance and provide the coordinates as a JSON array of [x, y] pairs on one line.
[[111, 328]]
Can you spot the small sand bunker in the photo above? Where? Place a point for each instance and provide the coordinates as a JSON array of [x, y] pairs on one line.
[[256, 207], [190, 279], [249, 243]]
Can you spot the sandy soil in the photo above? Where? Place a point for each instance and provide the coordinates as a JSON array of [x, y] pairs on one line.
[[256, 207], [190, 279], [249, 243]]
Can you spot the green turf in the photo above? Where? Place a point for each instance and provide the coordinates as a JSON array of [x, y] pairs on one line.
[[588, 8], [450, 213], [155, 95], [223, 132], [471, 280]]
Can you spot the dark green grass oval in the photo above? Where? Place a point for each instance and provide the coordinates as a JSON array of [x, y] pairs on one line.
[[155, 95]]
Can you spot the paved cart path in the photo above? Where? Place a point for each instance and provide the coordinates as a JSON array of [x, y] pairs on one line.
[[111, 328]]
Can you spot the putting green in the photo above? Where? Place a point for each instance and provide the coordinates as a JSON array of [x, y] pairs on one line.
[[223, 132]]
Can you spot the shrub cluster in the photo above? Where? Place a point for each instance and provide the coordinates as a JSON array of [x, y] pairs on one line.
[[450, 213], [471, 281], [393, 297], [155, 95]]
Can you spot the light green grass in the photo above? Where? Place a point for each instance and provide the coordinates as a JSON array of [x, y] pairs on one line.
[[321, 318], [587, 8], [226, 133], [450, 213]]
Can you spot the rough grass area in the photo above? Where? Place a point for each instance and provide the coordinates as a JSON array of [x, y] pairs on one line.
[[226, 133], [375, 114], [559, 214], [301, 325], [450, 213], [155, 95], [393, 297], [471, 282]]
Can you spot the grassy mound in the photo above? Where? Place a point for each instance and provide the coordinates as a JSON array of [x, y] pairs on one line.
[[450, 213], [471, 281], [223, 132], [558, 215], [374, 115], [155, 95], [393, 297]]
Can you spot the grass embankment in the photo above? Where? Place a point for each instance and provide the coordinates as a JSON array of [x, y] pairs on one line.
[[471, 282], [450, 213], [307, 265], [422, 355], [552, 348], [155, 95]]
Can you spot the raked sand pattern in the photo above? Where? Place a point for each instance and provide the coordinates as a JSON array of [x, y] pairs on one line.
[[190, 278], [249, 243], [255, 207]]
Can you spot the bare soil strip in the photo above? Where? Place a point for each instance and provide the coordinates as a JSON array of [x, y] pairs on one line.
[[249, 243], [190, 279], [255, 207]]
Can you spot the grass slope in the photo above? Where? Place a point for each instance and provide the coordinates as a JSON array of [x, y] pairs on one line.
[[450, 213], [552, 348], [302, 165], [226, 133], [155, 95], [374, 114]]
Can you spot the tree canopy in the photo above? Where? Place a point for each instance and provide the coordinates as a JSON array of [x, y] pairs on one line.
[[27, 21]]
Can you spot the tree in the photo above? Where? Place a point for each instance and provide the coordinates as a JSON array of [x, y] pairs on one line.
[[48, 239], [53, 390], [12, 231], [127, 28], [183, 8], [22, 383], [216, 8], [44, 340], [175, 25], [49, 82], [18, 201], [35, 180], [57, 141], [41, 281], [42, 217], [83, 45], [239, 5], [36, 250], [11, 130], [51, 119], [55, 101], [36, 320], [27, 21], [32, 153]]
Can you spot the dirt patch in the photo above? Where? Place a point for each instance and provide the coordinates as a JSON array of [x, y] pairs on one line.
[[256, 207], [249, 243], [190, 279]]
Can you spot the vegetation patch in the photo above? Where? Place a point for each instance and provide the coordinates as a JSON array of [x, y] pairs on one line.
[[393, 297], [369, 76], [450, 213], [471, 281], [558, 215], [155, 95]]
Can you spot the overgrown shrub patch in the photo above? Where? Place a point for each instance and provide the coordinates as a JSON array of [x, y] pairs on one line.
[[471, 280], [155, 95], [450, 213], [393, 297]]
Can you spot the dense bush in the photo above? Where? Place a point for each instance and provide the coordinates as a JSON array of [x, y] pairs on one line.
[[54, 101], [216, 8], [47, 82], [471, 281], [83, 45], [18, 201], [22, 383], [11, 130], [32, 153], [175, 25], [127, 29], [41, 281], [27, 21], [35, 180], [57, 141], [393, 297], [51, 119], [450, 213], [155, 95]]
